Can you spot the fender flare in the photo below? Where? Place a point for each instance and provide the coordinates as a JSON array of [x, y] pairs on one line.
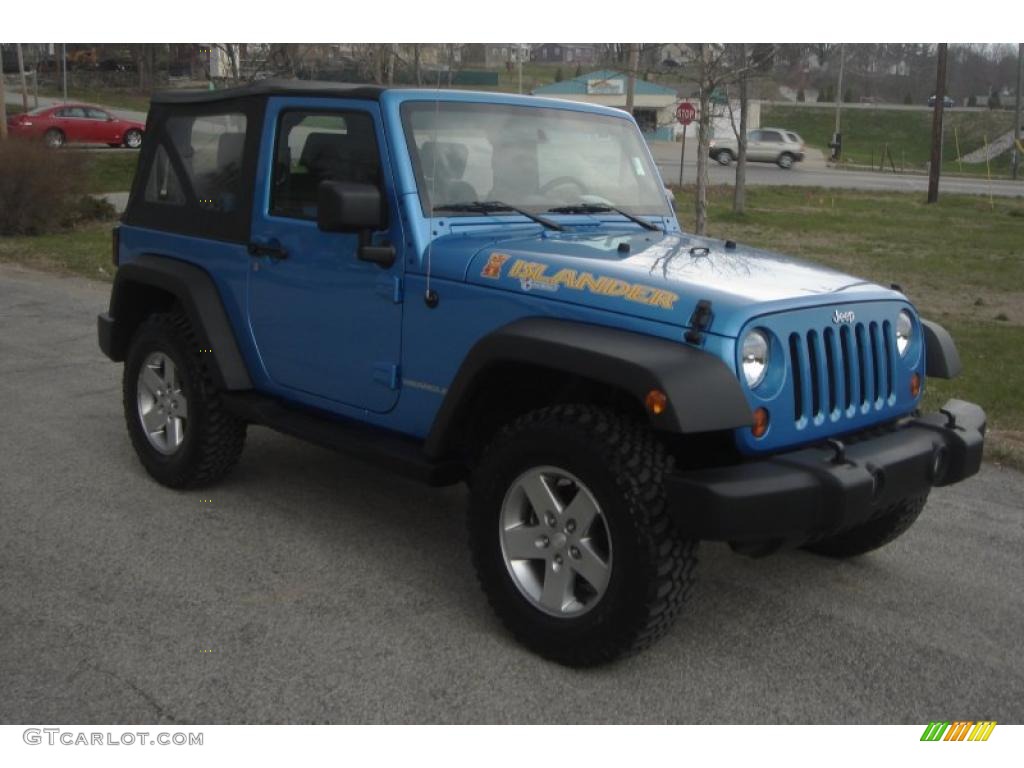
[[198, 296], [704, 395], [942, 361]]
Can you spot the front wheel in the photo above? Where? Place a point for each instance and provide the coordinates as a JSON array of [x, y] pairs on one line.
[[133, 139], [724, 157], [785, 161], [876, 533], [570, 536]]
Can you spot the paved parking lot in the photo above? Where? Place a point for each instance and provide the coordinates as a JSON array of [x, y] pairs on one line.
[[313, 588]]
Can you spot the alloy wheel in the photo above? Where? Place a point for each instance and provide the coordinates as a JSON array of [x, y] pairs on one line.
[[555, 542], [163, 407]]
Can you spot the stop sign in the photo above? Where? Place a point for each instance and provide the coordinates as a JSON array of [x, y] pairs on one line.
[[685, 113]]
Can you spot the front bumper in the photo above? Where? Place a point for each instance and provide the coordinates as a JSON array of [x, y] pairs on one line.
[[819, 491]]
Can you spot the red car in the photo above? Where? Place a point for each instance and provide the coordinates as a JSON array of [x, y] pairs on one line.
[[76, 123]]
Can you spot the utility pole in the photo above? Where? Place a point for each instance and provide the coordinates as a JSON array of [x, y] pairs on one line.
[[837, 136], [519, 61], [935, 166], [21, 74], [634, 65], [1019, 116], [3, 108], [64, 62]]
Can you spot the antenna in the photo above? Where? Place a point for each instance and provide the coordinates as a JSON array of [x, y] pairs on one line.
[[430, 297]]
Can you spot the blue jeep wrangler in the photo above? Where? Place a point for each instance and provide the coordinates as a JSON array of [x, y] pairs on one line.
[[494, 289]]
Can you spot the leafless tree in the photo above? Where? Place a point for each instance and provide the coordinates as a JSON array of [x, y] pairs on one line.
[[3, 107]]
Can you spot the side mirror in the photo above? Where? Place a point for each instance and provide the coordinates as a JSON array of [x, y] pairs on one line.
[[345, 206]]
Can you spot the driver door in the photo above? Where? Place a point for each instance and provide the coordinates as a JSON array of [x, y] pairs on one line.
[[325, 323]]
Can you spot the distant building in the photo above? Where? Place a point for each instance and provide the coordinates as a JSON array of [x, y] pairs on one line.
[[565, 53], [653, 105], [495, 54]]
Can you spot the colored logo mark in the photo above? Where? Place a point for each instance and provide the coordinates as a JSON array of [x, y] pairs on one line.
[[959, 730]]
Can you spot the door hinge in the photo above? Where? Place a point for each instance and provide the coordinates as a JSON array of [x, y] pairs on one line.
[[386, 374], [390, 287]]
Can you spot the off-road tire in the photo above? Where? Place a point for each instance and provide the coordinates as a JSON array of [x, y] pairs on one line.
[[213, 438], [873, 534], [624, 467]]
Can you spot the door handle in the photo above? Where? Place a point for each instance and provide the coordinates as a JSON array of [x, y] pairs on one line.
[[271, 248]]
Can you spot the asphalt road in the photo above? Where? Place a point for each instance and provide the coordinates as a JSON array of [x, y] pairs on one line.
[[817, 174], [314, 588]]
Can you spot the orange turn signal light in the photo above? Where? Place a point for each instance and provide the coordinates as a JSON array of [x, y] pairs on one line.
[[760, 422], [915, 385], [656, 402]]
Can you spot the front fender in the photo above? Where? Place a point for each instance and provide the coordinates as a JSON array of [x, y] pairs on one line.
[[704, 395]]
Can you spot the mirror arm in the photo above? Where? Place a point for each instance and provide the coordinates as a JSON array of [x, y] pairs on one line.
[[381, 255]]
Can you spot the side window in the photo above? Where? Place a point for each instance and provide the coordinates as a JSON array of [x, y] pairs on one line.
[[96, 114], [755, 136], [320, 146], [163, 186], [210, 148], [75, 112], [771, 136]]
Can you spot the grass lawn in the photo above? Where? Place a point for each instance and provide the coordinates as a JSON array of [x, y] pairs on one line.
[[83, 251], [111, 171], [907, 132], [960, 261]]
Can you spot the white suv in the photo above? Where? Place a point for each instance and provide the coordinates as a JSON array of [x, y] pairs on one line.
[[766, 145]]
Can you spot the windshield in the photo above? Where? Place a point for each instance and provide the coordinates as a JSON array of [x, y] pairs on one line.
[[529, 157]]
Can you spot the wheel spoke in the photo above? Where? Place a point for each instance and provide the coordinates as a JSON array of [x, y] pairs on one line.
[[171, 375], [582, 510], [591, 567], [556, 587], [174, 432], [153, 420], [521, 543], [541, 497], [182, 411], [151, 381]]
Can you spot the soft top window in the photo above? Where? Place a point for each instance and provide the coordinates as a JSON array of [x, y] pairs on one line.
[[196, 170]]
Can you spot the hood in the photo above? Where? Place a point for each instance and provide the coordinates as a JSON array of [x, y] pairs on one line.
[[652, 275]]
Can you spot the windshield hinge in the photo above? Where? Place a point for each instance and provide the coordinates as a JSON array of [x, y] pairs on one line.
[[700, 321]]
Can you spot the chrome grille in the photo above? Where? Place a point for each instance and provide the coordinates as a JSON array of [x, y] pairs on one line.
[[840, 372]]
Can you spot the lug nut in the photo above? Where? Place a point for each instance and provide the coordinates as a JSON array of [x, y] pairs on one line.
[[574, 553], [542, 542], [570, 525], [558, 559], [550, 519]]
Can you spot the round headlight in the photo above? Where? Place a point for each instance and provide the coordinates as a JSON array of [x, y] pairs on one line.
[[754, 358], [904, 331]]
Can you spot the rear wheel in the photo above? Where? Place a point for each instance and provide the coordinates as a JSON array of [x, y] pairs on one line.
[[724, 157], [54, 138], [570, 536], [869, 536], [177, 423], [133, 139]]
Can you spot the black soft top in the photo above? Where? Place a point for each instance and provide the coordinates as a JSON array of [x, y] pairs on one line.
[[270, 88]]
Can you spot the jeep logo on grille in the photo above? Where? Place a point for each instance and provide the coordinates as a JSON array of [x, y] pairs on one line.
[[843, 317]]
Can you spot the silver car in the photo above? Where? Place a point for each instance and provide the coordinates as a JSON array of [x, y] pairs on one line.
[[765, 145]]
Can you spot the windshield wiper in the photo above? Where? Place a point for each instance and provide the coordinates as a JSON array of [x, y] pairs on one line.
[[600, 208], [495, 206]]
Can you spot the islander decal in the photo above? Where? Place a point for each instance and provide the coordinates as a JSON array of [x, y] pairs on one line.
[[492, 268], [533, 276]]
